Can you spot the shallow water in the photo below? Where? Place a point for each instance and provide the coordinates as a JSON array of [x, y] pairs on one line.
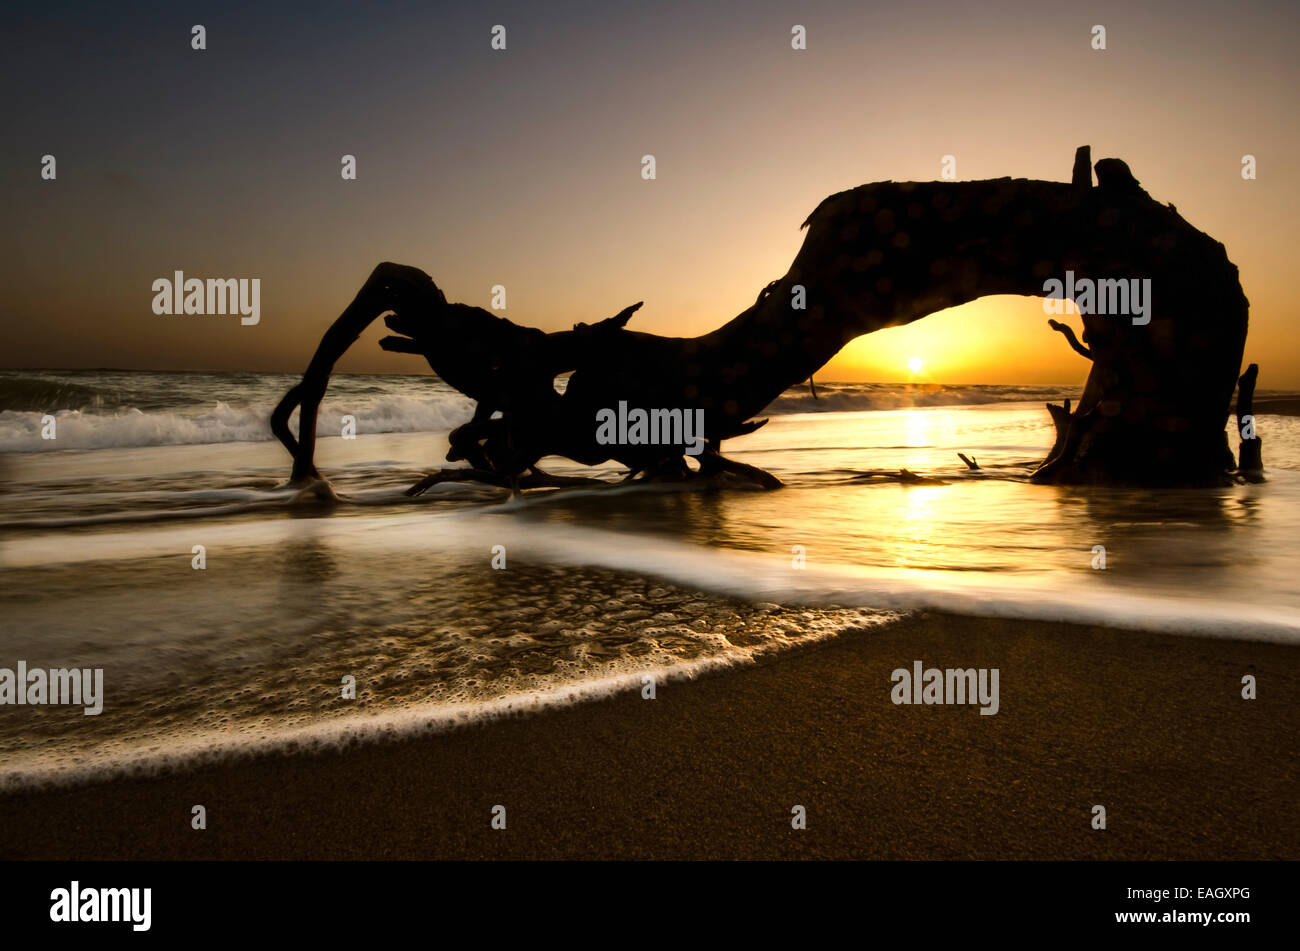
[[599, 588]]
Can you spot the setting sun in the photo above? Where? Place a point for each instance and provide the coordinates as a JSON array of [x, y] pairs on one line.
[[914, 364]]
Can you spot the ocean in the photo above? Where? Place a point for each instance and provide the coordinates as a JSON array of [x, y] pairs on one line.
[[465, 604]]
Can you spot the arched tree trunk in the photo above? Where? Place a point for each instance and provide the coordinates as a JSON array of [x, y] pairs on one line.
[[1153, 410]]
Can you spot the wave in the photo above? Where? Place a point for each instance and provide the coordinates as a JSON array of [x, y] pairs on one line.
[[1032, 595], [43, 769], [880, 593], [222, 423], [36, 394], [858, 397]]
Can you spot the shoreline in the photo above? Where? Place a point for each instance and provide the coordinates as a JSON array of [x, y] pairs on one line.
[[1152, 726]]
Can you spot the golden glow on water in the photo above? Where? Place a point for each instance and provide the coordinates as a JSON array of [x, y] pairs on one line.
[[912, 547], [917, 425]]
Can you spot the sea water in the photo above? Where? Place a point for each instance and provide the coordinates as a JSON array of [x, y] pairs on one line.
[[151, 539]]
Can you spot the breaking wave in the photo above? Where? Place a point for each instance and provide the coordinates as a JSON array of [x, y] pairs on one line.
[[222, 423]]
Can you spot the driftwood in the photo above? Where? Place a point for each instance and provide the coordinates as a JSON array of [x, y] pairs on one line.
[[1153, 410], [1250, 464], [1068, 332]]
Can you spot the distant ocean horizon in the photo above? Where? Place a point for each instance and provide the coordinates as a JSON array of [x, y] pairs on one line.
[[100, 409]]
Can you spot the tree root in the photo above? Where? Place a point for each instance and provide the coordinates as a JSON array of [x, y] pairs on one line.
[[714, 468], [533, 479]]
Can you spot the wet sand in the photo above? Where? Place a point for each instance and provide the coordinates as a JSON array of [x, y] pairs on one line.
[[1153, 727]]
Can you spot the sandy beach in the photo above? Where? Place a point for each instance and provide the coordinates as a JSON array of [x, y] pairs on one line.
[[1153, 727]]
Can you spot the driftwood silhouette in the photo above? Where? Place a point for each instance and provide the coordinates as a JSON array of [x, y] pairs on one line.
[[1153, 410], [1250, 464]]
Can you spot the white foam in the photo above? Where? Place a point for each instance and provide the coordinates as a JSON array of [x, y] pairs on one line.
[[223, 423], [157, 755], [760, 577]]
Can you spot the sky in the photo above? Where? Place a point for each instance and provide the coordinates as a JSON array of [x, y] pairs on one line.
[[522, 167]]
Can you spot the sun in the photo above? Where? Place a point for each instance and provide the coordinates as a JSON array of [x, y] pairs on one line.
[[915, 365]]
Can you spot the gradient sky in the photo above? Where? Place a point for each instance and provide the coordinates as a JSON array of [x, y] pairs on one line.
[[522, 167]]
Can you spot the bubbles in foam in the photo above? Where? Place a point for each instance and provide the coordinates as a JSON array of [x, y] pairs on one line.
[[426, 681]]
